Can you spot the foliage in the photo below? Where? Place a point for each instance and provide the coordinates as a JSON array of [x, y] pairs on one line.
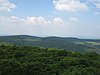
[[28, 60]]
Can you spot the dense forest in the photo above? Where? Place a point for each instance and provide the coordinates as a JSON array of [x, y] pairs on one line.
[[28, 60]]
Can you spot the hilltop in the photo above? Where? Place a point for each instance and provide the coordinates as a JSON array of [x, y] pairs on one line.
[[68, 43]]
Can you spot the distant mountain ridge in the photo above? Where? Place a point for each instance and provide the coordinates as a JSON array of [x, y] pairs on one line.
[[68, 43]]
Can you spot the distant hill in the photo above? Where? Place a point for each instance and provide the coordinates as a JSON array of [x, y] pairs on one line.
[[68, 43]]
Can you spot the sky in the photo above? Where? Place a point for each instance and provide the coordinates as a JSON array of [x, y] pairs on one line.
[[63, 18]]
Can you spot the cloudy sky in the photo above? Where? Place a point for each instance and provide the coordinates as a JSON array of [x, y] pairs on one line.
[[68, 18]]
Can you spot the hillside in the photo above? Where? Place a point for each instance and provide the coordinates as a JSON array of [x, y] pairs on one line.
[[25, 60], [68, 43]]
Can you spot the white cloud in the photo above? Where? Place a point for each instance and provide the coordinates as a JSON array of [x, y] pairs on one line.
[[34, 25], [42, 21], [75, 5], [58, 21], [97, 5], [35, 21], [73, 19], [69, 5], [28, 25], [95, 0], [97, 13], [6, 6], [31, 20]]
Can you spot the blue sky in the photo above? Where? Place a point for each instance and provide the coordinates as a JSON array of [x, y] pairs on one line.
[[64, 18]]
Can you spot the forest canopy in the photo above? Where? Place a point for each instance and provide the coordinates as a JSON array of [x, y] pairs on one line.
[[28, 60]]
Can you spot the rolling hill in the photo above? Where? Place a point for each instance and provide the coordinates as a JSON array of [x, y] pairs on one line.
[[68, 43]]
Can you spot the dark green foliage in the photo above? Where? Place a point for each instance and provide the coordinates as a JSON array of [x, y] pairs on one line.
[[27, 60]]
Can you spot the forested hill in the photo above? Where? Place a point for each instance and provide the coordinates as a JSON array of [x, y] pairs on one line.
[[27, 60], [68, 43]]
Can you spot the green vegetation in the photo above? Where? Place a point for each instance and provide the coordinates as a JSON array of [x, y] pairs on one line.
[[69, 43], [28, 60], [32, 40]]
